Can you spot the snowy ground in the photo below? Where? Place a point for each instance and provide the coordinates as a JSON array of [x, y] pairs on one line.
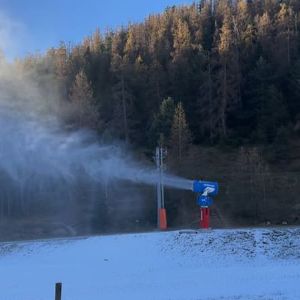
[[221, 264]]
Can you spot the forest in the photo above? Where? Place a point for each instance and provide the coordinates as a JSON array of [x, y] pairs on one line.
[[216, 83]]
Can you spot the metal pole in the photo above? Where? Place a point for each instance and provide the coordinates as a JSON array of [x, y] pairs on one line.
[[162, 178], [158, 186], [58, 288]]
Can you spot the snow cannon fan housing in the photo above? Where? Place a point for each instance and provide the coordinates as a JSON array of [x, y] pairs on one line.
[[205, 189], [212, 188]]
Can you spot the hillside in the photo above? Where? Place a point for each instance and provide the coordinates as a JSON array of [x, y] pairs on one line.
[[216, 83]]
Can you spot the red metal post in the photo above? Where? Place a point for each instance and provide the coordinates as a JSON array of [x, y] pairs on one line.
[[162, 219], [204, 217]]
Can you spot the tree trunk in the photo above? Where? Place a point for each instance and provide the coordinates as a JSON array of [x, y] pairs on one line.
[[210, 100], [126, 133], [288, 47], [224, 102]]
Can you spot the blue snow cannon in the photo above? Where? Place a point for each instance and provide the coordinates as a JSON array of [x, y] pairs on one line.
[[200, 187], [205, 189]]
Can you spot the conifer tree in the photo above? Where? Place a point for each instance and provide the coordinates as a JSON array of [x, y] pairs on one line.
[[207, 104], [265, 34], [61, 67], [182, 40], [122, 97], [228, 77], [162, 122], [61, 61], [180, 133], [285, 32], [207, 24], [96, 41], [81, 96]]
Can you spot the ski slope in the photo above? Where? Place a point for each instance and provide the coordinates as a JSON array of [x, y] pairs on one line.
[[220, 264]]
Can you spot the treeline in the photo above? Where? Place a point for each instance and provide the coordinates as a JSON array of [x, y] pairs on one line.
[[232, 67], [216, 73]]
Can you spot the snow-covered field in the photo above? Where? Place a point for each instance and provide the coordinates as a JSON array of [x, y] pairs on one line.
[[220, 264]]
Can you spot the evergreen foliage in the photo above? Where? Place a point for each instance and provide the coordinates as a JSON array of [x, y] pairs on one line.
[[233, 64], [85, 112], [180, 133]]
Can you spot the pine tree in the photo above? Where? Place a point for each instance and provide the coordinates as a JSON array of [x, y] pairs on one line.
[[82, 100], [229, 73], [265, 34], [285, 33], [207, 106], [120, 90], [207, 24], [182, 40], [180, 134], [58, 60], [61, 61], [135, 43], [159, 49], [162, 122], [244, 28], [96, 41]]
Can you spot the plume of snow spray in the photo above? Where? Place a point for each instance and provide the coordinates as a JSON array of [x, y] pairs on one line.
[[35, 150], [31, 148]]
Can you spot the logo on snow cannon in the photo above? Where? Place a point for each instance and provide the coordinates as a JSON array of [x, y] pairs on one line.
[[204, 201], [206, 187]]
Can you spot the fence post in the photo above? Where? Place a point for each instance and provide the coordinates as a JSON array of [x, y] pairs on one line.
[[58, 287]]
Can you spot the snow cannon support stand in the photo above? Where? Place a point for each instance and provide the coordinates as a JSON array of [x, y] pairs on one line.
[[205, 190]]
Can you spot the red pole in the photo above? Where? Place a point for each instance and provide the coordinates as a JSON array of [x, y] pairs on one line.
[[204, 217], [162, 219]]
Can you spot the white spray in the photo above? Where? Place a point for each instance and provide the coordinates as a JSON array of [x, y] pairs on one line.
[[35, 149]]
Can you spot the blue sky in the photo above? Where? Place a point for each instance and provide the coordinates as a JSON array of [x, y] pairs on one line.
[[35, 25]]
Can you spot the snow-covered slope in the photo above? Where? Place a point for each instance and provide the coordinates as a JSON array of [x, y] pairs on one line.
[[220, 264]]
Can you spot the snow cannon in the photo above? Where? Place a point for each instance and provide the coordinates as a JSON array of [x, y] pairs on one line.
[[200, 186], [205, 189]]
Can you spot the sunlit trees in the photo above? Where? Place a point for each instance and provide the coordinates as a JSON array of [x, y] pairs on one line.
[[180, 133], [82, 100], [120, 91], [228, 78]]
